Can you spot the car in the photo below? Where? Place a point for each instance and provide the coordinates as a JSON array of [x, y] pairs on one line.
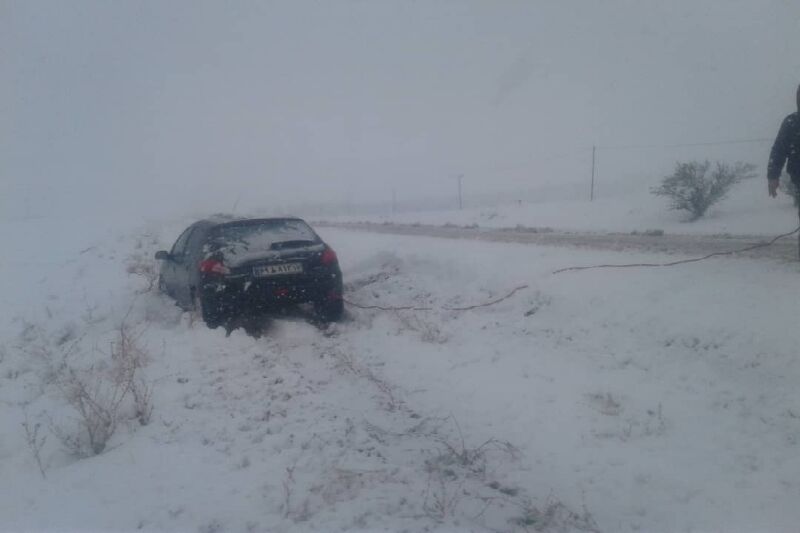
[[226, 268]]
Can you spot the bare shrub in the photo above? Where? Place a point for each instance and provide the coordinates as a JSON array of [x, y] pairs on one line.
[[691, 188], [288, 483], [442, 497], [97, 401], [605, 403], [428, 331], [536, 302], [98, 394], [459, 481], [472, 459], [457, 472], [35, 442], [142, 401], [345, 484], [348, 362], [141, 264], [51, 354], [298, 515], [555, 517], [129, 358]]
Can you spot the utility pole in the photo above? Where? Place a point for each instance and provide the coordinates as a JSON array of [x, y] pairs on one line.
[[591, 191], [460, 202]]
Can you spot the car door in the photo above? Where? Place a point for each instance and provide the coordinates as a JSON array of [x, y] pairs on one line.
[[188, 270], [173, 269]]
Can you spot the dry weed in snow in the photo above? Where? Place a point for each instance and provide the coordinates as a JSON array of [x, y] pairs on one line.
[[141, 263], [98, 393], [428, 329], [461, 480], [35, 441], [129, 359], [348, 362]]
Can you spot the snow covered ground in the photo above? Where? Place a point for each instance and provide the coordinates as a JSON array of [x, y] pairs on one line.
[[747, 211], [635, 400]]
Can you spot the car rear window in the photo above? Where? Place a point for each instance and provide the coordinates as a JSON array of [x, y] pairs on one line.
[[238, 239]]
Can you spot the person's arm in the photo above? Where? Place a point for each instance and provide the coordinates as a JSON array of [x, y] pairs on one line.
[[777, 156]]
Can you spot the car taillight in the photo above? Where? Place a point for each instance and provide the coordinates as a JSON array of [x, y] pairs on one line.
[[212, 266], [328, 257]]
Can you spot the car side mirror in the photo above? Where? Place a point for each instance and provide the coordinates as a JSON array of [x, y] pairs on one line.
[[162, 255]]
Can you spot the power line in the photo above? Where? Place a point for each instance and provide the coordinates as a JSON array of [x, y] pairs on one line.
[[684, 145]]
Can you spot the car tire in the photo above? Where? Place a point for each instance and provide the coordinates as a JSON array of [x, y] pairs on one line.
[[202, 310], [329, 310]]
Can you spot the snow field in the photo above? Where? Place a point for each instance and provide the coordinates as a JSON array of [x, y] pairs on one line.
[[636, 400], [665, 396]]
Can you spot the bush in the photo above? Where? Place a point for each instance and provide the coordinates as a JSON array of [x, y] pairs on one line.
[[99, 395], [691, 188]]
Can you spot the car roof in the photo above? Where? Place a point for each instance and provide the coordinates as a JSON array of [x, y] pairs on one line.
[[223, 219]]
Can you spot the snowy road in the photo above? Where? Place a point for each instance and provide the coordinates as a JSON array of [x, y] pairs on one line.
[[782, 250], [640, 400]]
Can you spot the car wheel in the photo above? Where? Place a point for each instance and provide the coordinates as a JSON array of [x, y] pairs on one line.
[[203, 312], [329, 310]]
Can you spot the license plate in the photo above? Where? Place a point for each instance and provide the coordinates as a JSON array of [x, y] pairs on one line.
[[265, 271]]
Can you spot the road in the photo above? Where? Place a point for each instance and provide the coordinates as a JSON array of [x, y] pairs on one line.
[[783, 250]]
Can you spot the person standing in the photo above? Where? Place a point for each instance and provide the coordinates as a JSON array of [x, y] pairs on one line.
[[786, 151]]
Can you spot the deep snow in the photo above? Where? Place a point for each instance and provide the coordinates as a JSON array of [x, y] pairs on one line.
[[653, 400]]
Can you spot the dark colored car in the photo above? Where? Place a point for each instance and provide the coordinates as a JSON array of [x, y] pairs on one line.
[[225, 268]]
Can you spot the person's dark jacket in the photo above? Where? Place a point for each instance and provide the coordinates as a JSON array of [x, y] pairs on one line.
[[786, 148]]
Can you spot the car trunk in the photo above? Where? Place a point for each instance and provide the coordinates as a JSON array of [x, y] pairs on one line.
[[268, 264]]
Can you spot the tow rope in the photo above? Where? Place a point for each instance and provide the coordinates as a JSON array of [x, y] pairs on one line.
[[682, 261]]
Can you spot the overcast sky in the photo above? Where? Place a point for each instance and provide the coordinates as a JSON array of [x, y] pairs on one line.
[[135, 105]]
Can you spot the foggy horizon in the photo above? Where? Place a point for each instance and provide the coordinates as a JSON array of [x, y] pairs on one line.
[[151, 107]]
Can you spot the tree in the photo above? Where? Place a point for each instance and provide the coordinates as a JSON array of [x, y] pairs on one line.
[[692, 188]]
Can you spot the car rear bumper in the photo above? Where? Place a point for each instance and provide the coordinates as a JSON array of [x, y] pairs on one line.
[[231, 298]]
